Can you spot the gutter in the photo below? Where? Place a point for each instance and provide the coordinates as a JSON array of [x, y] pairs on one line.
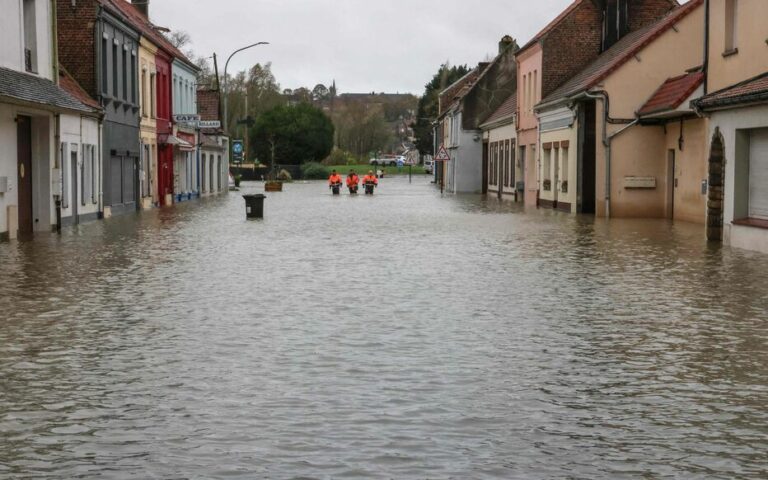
[[705, 66]]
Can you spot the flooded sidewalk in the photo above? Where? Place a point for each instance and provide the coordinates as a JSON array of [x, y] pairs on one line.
[[402, 335]]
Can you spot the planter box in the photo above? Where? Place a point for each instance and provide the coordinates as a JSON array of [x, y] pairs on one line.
[[273, 186]]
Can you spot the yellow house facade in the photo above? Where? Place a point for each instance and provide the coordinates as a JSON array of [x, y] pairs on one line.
[[613, 160], [736, 105], [148, 125], [503, 173]]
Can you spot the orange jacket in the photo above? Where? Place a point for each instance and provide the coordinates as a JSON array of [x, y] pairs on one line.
[[353, 181], [370, 179], [334, 179]]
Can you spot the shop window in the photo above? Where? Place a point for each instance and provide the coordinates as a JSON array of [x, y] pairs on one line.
[[758, 174]]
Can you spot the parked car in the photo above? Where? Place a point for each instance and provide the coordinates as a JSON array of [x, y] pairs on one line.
[[387, 160], [429, 166]]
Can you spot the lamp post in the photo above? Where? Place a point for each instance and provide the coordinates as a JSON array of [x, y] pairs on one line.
[[226, 83]]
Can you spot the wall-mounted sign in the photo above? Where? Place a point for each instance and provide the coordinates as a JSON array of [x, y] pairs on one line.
[[209, 124], [190, 118]]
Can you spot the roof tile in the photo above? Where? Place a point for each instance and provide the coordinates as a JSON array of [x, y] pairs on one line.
[[30, 88], [752, 90]]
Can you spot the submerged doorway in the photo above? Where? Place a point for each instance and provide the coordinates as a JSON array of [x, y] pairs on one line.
[[24, 171], [587, 159], [671, 184]]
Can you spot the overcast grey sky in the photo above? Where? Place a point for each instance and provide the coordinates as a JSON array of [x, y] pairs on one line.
[[389, 45]]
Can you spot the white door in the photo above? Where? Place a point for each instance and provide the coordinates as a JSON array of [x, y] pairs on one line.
[[758, 174]]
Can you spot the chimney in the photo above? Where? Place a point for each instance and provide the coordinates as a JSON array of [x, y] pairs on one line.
[[142, 6], [505, 43]]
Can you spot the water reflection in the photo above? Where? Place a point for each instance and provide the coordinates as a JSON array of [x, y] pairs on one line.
[[400, 336]]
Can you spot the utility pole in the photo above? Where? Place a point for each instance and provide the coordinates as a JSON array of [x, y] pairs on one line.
[[245, 125]]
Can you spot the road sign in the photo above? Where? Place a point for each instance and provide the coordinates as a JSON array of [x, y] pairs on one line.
[[209, 124], [237, 151], [442, 155]]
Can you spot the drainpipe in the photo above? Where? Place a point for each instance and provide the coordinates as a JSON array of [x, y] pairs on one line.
[[705, 68], [607, 139]]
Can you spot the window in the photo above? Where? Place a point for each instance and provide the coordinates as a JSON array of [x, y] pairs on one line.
[[758, 174], [535, 92], [152, 94], [731, 25], [546, 173], [94, 176], [133, 77], [64, 176], [143, 94], [219, 175], [146, 170], [30, 36], [85, 176], [125, 73], [114, 70], [203, 176], [74, 174], [564, 169], [506, 163], [104, 67], [512, 163]]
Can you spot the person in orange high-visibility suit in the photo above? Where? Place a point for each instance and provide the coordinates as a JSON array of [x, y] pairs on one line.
[[352, 182], [370, 182], [334, 179]]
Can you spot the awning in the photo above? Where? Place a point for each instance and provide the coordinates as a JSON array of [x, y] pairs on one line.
[[177, 142]]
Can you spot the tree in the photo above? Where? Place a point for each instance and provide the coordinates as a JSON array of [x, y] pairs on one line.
[[179, 38], [263, 94], [429, 104], [293, 134]]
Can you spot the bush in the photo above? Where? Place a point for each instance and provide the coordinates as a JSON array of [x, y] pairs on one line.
[[284, 175], [315, 171], [340, 157]]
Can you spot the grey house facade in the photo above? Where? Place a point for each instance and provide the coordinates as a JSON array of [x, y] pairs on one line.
[[100, 50]]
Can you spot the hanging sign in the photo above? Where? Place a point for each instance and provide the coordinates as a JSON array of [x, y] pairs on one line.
[[191, 118]]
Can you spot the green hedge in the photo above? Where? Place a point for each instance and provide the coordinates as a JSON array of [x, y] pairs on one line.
[[315, 171]]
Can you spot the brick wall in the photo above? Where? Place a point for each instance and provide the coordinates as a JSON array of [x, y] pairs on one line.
[[208, 104], [571, 46], [577, 40], [644, 12], [76, 41]]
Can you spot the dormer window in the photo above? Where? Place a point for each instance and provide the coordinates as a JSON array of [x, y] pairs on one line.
[[615, 21], [30, 37]]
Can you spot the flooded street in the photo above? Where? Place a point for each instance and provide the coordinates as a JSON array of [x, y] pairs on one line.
[[402, 336]]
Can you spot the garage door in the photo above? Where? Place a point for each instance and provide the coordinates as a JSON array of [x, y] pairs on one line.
[[758, 174]]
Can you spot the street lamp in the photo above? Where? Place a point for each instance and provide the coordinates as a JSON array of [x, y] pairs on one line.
[[226, 83]]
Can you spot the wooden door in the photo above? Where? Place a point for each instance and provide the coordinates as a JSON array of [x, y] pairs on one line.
[[24, 149]]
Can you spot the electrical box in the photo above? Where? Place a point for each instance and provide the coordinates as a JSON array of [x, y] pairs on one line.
[[3, 185], [56, 181], [640, 182]]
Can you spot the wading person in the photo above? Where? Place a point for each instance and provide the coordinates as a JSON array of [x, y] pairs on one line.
[[370, 182], [352, 182], [334, 182]]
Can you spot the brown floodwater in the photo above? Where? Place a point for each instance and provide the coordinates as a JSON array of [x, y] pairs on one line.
[[403, 336]]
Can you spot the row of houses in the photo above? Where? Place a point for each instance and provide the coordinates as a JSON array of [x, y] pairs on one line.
[[624, 108], [99, 116]]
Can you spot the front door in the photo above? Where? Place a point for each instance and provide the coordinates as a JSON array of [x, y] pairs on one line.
[[24, 153], [74, 201], [485, 168]]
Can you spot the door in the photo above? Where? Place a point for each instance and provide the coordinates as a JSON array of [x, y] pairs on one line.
[[587, 188], [520, 186], [501, 161], [73, 173], [672, 184], [24, 146], [485, 168], [556, 174]]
